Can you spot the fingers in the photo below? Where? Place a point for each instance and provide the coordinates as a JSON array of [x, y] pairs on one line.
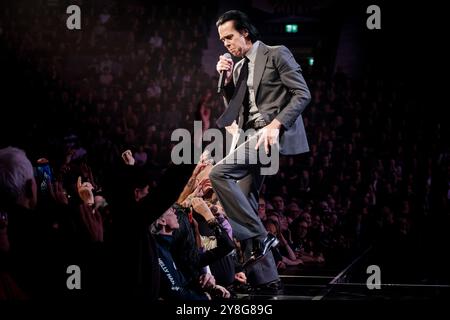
[[268, 137], [199, 205], [126, 153], [198, 191], [266, 144], [203, 280], [200, 166], [195, 202], [260, 140], [226, 294], [224, 64], [88, 186], [263, 139], [84, 185], [225, 60]]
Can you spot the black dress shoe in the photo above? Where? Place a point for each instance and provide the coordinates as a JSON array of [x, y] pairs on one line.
[[269, 242], [261, 249]]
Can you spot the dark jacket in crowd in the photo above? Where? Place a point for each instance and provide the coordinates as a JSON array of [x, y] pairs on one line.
[[173, 283]]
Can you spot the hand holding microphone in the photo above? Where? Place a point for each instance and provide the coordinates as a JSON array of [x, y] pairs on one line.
[[225, 68]]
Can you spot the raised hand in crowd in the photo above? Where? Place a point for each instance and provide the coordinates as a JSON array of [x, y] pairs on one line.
[[128, 158], [99, 202], [90, 216], [191, 186], [201, 207], [85, 192]]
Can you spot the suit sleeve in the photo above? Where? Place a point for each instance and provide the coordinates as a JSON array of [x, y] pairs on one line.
[[292, 78], [224, 246]]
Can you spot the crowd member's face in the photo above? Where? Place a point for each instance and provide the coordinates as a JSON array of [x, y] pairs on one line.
[[307, 217], [284, 223], [262, 209], [293, 210], [302, 229], [234, 41], [278, 204], [170, 219], [140, 193], [272, 229]]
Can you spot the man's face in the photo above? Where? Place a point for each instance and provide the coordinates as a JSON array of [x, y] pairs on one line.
[[307, 217], [170, 219], [140, 193], [272, 229], [302, 229], [262, 209], [278, 203], [233, 40]]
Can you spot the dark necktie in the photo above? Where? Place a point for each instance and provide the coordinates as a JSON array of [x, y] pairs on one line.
[[240, 92]]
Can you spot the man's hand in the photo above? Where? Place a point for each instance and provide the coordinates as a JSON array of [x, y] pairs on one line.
[[232, 128], [220, 292], [269, 135], [201, 207], [207, 281], [241, 277], [204, 174], [127, 157], [225, 64], [99, 201], [85, 192]]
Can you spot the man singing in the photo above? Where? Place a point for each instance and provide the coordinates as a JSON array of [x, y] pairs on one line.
[[266, 92]]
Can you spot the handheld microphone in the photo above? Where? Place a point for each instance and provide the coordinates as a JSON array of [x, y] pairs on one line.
[[222, 75]]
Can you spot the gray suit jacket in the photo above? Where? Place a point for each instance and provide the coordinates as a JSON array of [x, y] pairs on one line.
[[281, 92]]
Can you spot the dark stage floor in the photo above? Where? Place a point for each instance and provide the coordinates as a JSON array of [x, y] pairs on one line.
[[349, 283]]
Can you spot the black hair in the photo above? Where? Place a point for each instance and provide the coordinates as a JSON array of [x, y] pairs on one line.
[[184, 248], [241, 23]]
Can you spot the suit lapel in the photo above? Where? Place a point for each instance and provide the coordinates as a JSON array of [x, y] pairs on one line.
[[260, 65]]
